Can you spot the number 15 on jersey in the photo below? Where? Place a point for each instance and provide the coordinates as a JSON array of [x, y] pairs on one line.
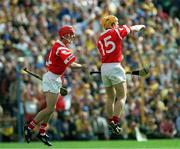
[[109, 46]]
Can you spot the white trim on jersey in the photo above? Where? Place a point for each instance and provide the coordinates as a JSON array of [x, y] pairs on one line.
[[127, 28], [105, 31], [118, 33], [60, 42], [59, 49], [68, 59]]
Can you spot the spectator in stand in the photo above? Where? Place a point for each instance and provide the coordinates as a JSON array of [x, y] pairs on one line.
[[84, 129], [167, 128], [99, 126]]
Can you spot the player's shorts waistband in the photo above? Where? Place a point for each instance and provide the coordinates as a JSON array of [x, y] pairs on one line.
[[53, 74], [110, 64]]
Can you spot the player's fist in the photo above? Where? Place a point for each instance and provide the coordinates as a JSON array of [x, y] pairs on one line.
[[141, 27], [63, 91], [137, 27], [84, 67]]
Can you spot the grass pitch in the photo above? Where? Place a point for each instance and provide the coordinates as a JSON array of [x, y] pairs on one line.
[[118, 144]]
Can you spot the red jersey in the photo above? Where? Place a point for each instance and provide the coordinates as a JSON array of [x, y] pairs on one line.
[[59, 58], [110, 44]]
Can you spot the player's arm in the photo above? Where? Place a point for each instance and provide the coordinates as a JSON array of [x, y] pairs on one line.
[[75, 65], [137, 27], [68, 58], [66, 55], [124, 30]]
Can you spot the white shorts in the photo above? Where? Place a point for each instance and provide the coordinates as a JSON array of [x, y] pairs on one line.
[[112, 73], [51, 82]]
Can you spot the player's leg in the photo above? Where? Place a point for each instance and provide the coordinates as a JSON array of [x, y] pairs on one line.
[[44, 124], [120, 89], [110, 102], [42, 115], [121, 93], [46, 112], [51, 99], [51, 85], [110, 91], [118, 80], [42, 135]]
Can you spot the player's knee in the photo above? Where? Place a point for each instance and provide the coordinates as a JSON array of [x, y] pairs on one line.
[[123, 100], [111, 95], [121, 96]]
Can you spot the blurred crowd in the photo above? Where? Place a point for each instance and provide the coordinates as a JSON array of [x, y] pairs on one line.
[[28, 28]]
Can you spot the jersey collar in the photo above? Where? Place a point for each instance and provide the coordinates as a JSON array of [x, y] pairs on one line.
[[60, 42], [105, 32]]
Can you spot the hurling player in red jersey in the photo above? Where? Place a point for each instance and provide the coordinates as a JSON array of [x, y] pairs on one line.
[[113, 75], [59, 58]]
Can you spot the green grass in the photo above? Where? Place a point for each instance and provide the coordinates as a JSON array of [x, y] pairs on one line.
[[119, 144]]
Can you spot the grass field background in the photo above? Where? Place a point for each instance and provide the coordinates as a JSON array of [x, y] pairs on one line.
[[119, 144]]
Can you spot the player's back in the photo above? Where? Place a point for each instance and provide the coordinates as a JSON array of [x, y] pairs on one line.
[[110, 44]]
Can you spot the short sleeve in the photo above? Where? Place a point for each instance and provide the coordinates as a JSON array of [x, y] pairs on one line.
[[123, 31], [66, 55]]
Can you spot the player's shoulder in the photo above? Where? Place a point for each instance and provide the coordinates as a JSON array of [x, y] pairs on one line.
[[60, 45], [108, 31]]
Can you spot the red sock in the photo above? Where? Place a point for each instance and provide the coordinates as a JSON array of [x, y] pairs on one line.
[[32, 124], [115, 119], [42, 128]]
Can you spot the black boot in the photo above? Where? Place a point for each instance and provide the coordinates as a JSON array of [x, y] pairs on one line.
[[28, 134], [44, 138], [115, 128]]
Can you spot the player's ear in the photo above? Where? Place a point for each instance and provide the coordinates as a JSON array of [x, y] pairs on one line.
[[112, 24]]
